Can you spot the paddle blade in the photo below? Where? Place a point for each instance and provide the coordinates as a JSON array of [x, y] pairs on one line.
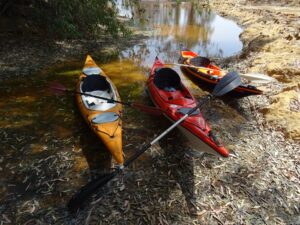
[[57, 88], [148, 109], [258, 78], [229, 82], [78, 199]]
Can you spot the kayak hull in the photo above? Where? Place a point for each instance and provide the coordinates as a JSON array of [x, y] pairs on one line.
[[210, 78], [175, 104], [196, 142], [108, 130]]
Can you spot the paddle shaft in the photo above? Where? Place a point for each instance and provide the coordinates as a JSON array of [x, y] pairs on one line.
[[149, 109], [63, 89], [141, 151], [107, 99]]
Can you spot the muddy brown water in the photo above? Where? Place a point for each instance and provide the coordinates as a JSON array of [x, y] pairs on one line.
[[48, 152]]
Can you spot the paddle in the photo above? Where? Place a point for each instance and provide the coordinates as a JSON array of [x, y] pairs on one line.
[[226, 84], [255, 77], [60, 89]]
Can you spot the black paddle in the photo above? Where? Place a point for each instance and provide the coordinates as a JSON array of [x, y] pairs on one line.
[[60, 89], [226, 84]]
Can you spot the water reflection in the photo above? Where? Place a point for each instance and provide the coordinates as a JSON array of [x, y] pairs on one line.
[[176, 26]]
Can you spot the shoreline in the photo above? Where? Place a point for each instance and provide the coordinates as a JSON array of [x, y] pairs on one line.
[[271, 46]]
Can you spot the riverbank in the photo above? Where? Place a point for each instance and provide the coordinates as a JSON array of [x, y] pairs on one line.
[[271, 46]]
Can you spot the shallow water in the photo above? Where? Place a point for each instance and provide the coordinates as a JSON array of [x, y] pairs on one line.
[[44, 140], [180, 25]]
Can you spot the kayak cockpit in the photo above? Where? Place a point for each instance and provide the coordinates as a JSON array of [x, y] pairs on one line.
[[204, 62], [170, 88], [200, 61], [167, 79], [99, 86]]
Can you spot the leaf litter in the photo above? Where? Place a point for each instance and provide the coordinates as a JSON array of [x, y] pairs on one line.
[[170, 184]]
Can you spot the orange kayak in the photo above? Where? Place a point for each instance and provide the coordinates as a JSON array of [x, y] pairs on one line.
[[211, 74], [104, 118]]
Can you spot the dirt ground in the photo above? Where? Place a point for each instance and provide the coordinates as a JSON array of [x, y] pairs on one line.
[[174, 184]]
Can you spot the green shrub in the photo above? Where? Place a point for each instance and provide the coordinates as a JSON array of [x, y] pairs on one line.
[[77, 18]]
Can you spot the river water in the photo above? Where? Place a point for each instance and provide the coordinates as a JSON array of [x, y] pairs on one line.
[[178, 26]]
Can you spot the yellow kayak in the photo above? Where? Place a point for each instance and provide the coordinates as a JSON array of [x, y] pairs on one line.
[[104, 118]]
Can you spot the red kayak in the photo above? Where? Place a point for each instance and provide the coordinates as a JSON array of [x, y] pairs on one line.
[[169, 94]]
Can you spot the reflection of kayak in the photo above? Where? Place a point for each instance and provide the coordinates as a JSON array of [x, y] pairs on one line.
[[169, 94], [104, 118], [212, 74]]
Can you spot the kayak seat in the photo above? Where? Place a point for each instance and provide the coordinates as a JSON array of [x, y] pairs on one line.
[[200, 61], [95, 83], [167, 79], [97, 103]]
